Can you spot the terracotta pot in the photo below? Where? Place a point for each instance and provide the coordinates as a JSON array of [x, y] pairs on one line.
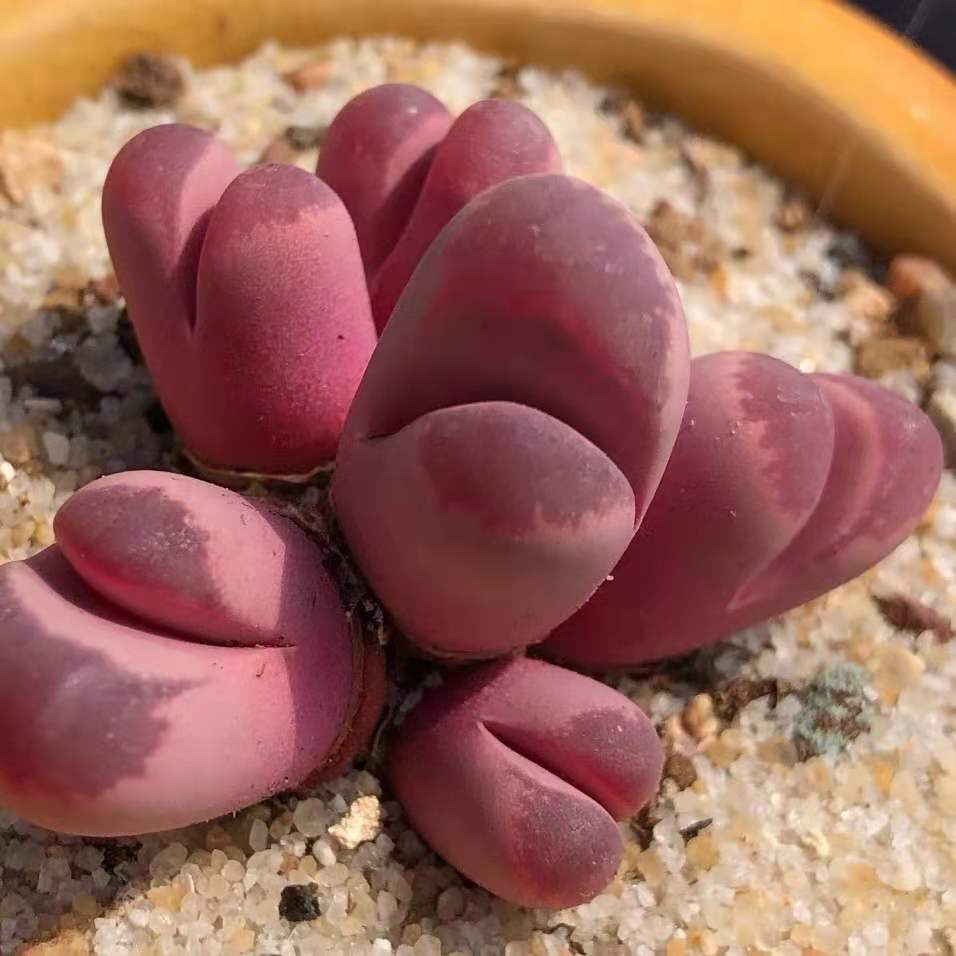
[[820, 94]]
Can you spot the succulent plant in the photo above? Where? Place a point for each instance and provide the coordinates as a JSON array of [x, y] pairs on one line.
[[528, 768], [527, 456], [178, 654], [247, 295]]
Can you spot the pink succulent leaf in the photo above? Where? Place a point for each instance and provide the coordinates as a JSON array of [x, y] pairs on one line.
[[528, 390], [247, 295], [376, 154], [781, 487], [179, 654], [515, 772], [886, 467], [491, 142], [485, 523]]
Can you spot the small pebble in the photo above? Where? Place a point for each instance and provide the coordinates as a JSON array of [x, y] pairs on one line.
[[298, 904], [258, 836], [57, 448], [233, 871], [699, 717], [310, 817], [681, 770], [311, 76]]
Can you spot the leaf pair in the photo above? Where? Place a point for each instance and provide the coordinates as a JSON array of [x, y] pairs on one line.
[[781, 487], [180, 653]]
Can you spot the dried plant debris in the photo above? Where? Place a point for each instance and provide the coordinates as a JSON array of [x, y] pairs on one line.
[[689, 832], [907, 614], [835, 711], [732, 697], [642, 826]]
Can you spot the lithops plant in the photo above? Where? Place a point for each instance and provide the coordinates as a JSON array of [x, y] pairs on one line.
[[526, 458], [528, 768], [178, 654], [247, 295]]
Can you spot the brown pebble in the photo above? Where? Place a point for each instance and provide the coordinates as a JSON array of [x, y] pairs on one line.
[[311, 76], [148, 81], [907, 614], [681, 770], [792, 215], [892, 353], [868, 299]]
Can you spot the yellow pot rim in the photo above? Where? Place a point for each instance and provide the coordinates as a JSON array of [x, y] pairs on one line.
[[815, 91]]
